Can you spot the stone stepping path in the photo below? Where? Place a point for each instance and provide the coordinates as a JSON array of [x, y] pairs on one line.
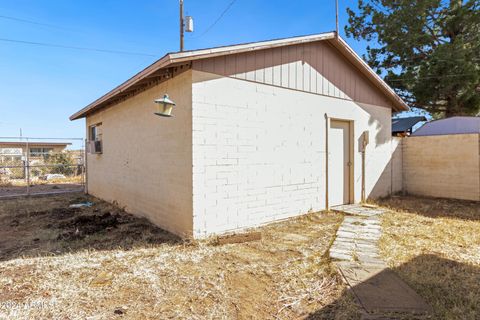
[[359, 210], [357, 237], [378, 289]]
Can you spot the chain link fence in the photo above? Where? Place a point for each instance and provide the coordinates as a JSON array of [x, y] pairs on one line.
[[34, 166]]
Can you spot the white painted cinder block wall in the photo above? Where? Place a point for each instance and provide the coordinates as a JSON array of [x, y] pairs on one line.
[[146, 165], [259, 151]]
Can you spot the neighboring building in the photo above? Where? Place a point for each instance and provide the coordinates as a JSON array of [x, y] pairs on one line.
[[453, 125], [249, 137], [15, 150], [402, 127]]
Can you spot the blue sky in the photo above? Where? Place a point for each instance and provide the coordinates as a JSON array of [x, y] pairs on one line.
[[42, 86]]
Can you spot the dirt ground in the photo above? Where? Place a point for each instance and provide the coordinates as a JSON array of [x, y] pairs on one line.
[[98, 262], [65, 263], [14, 190], [434, 246], [16, 187]]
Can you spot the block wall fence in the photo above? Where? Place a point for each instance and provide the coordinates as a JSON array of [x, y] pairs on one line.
[[444, 166]]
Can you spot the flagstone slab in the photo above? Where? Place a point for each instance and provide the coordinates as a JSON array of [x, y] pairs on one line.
[[379, 289]]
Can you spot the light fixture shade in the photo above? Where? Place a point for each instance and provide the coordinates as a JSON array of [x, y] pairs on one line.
[[165, 106]]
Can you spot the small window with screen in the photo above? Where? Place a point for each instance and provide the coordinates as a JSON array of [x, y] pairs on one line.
[[95, 138]]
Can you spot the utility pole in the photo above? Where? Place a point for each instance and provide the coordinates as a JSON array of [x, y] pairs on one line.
[[181, 27], [186, 25], [336, 19]]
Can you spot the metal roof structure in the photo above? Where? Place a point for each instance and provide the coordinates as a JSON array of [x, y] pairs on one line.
[[453, 125], [405, 125], [166, 67], [35, 143]]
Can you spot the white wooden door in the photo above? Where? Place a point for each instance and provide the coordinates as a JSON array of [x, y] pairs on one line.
[[339, 163]]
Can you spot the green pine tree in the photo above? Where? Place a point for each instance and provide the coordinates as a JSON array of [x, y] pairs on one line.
[[428, 50]]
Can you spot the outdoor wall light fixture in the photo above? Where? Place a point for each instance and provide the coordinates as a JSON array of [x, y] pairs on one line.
[[165, 106]]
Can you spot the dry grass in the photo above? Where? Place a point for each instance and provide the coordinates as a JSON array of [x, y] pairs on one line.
[[58, 263], [434, 245], [37, 181], [7, 190], [5, 183], [66, 180]]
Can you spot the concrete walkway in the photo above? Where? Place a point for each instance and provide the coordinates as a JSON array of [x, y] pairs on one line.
[[378, 289]]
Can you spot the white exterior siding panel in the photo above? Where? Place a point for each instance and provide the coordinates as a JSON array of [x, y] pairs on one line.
[[313, 67], [263, 157]]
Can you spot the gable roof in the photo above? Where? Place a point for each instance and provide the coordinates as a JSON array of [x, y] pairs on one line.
[[400, 125], [154, 71], [453, 125]]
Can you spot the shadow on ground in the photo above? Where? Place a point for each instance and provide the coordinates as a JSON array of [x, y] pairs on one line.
[[434, 207], [450, 287], [431, 277], [32, 227]]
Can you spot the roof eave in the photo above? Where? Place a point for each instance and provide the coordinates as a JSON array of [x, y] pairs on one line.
[[179, 57], [164, 61], [398, 103], [37, 143]]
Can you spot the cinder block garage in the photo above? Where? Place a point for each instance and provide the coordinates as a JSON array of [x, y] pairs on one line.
[[259, 132]]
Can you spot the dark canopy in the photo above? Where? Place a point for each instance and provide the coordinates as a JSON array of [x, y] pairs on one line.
[[405, 125]]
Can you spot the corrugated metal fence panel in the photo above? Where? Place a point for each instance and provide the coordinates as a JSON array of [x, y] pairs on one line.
[[314, 67]]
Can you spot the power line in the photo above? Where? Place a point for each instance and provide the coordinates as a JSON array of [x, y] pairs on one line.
[[76, 48], [405, 63], [429, 77], [218, 19], [414, 62], [400, 60], [29, 22]]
